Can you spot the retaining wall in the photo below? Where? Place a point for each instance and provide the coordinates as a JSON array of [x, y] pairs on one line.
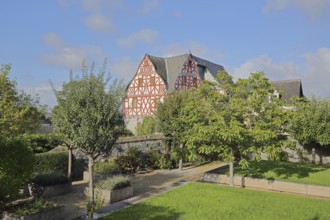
[[275, 185]]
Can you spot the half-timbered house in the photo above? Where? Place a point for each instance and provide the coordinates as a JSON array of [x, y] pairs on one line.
[[157, 76]]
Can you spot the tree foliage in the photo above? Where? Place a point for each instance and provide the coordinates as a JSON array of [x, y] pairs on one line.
[[235, 121], [310, 124], [148, 126], [16, 167], [246, 119], [19, 113], [88, 113]]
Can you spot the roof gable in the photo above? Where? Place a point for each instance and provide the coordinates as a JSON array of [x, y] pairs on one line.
[[291, 88]]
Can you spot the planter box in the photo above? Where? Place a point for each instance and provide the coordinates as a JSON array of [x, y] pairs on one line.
[[112, 196], [49, 214]]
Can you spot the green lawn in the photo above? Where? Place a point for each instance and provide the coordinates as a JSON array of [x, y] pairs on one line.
[[293, 172], [210, 201]]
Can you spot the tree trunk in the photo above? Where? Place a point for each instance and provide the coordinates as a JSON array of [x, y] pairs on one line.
[[313, 155], [231, 173], [91, 186], [70, 165], [180, 161]]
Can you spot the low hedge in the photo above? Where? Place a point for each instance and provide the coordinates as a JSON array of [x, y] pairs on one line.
[[50, 179], [51, 162], [41, 143], [112, 183]]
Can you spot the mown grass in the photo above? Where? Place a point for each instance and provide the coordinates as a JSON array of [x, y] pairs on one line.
[[210, 201], [285, 171]]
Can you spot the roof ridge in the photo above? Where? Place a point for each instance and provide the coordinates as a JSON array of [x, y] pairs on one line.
[[286, 80]]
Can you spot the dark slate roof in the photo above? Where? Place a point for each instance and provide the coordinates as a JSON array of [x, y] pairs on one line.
[[169, 68], [291, 88]]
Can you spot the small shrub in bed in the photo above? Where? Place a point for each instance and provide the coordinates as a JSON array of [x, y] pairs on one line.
[[108, 167], [115, 182], [50, 179], [35, 206]]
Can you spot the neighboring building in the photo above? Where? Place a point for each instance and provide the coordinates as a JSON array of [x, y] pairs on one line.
[[157, 76], [291, 88]]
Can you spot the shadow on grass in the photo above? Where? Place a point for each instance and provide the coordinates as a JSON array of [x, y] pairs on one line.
[[145, 212], [283, 169]]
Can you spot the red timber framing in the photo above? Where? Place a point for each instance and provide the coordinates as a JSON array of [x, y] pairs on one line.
[[188, 77], [144, 91]]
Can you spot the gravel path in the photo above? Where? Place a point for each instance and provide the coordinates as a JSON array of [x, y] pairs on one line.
[[154, 181]]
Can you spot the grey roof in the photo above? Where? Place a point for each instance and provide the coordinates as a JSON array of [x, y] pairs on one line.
[[169, 68], [291, 88]]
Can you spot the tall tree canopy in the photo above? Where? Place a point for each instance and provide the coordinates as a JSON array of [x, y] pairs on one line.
[[310, 124], [19, 113], [235, 121], [88, 113]]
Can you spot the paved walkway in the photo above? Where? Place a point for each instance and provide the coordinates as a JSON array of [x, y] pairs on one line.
[[145, 186]]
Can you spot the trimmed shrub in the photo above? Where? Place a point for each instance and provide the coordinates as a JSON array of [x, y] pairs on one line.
[[108, 167], [51, 162], [41, 143], [133, 160], [50, 179], [16, 167], [115, 182]]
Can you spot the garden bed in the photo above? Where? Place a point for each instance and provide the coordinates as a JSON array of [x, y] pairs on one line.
[[33, 210], [116, 195]]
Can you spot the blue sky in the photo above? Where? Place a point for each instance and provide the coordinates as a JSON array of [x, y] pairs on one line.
[[43, 40]]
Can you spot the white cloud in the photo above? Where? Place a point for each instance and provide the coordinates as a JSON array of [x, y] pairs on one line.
[[98, 5], [53, 40], [317, 73], [44, 91], [314, 72], [273, 71], [66, 56], [144, 35], [124, 68], [196, 49], [99, 22], [150, 5], [313, 9]]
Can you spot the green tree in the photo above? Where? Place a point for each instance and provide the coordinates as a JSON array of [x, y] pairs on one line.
[[244, 119], [90, 116], [310, 125], [169, 122], [148, 126], [16, 167], [19, 113]]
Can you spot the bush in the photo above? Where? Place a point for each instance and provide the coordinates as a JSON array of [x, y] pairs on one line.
[[115, 182], [50, 179], [41, 143], [166, 162], [51, 162], [134, 159], [108, 167], [35, 206], [16, 167]]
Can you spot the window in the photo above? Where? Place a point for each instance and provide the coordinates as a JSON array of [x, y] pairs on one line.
[[134, 103], [152, 80], [140, 82], [195, 82], [184, 80]]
